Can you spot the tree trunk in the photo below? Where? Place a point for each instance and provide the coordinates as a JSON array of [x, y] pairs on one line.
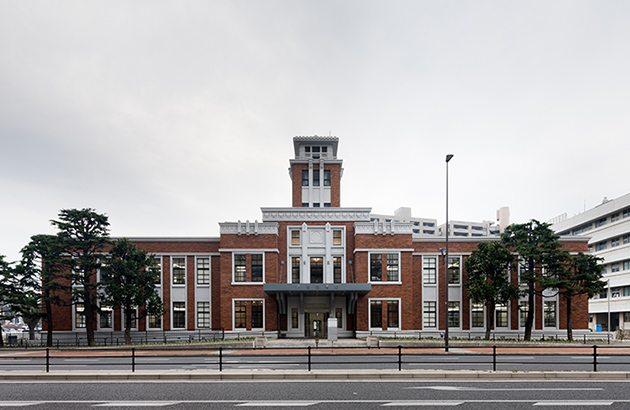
[[569, 319], [127, 326], [89, 318], [529, 323], [489, 318], [49, 323]]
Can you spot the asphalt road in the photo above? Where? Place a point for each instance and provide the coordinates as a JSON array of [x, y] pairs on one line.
[[318, 394], [300, 362]]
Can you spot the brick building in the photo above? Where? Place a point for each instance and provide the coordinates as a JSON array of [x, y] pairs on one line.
[[317, 268]]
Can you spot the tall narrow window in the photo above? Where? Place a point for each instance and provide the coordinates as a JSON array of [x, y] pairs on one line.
[[295, 269], [376, 267], [304, 177], [326, 177], [79, 315], [240, 315], [550, 314], [429, 269], [339, 316], [179, 315], [429, 314], [476, 315], [376, 314], [240, 268], [523, 308], [203, 314], [501, 313], [317, 270], [392, 267], [257, 268], [155, 321], [316, 177], [392, 314], [295, 237], [453, 314], [257, 314], [158, 265], [295, 318], [203, 271], [106, 317], [453, 270], [337, 237], [179, 271], [337, 269]]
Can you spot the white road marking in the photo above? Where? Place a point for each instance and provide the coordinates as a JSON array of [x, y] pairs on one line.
[[574, 403], [277, 404], [136, 404], [19, 403], [422, 403], [457, 388]]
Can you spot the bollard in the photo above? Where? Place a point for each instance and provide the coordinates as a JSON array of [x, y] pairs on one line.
[[399, 358], [220, 358], [594, 358], [494, 358], [309, 358], [47, 360], [133, 359]]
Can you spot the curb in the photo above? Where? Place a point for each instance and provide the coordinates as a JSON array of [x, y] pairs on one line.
[[227, 375]]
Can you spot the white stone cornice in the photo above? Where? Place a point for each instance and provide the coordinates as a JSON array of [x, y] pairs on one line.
[[383, 228], [249, 228], [316, 214]]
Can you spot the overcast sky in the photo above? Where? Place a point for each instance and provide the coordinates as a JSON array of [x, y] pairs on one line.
[[172, 116]]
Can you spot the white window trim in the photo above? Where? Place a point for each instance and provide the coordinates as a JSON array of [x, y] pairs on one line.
[[483, 315], [173, 314], [437, 315], [437, 269], [179, 285], [246, 283], [509, 316], [461, 271], [384, 268], [557, 313], [254, 329], [203, 285], [460, 315], [385, 301], [197, 314]]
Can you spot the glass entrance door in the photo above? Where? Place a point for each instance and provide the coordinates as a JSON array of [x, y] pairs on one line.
[[317, 270], [316, 325]]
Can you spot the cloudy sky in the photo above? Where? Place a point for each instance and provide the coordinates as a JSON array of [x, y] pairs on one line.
[[172, 116]]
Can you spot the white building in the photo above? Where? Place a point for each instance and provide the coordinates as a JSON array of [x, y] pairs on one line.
[[427, 226], [608, 226]]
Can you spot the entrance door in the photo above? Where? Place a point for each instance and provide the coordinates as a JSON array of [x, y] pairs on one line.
[[316, 325]]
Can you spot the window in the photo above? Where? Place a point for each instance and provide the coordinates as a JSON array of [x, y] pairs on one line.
[[158, 266], [614, 217], [155, 321], [295, 318], [600, 246], [376, 268], [257, 314], [304, 177], [337, 269], [626, 290], [614, 242], [429, 269], [626, 317], [179, 315], [550, 314], [203, 314], [453, 270], [626, 265], [326, 177], [600, 222], [317, 270], [179, 271], [295, 269], [304, 204], [501, 313], [316, 177], [626, 213], [453, 314], [523, 308], [240, 268], [257, 268], [626, 239], [614, 267], [376, 314], [476, 315], [79, 315], [248, 267], [106, 317], [392, 267], [240, 315], [392, 314], [295, 237], [203, 271], [339, 317], [337, 237], [429, 314], [615, 293]]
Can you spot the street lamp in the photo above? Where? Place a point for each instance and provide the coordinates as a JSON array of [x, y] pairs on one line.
[[448, 158]]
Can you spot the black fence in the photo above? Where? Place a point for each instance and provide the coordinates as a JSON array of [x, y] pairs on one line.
[[592, 358]]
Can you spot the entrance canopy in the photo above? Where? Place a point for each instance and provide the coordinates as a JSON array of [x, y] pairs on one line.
[[349, 290]]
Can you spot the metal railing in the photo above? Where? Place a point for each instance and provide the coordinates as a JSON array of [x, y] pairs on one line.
[[399, 358]]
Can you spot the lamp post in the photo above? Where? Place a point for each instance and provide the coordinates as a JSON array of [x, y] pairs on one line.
[[448, 158]]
